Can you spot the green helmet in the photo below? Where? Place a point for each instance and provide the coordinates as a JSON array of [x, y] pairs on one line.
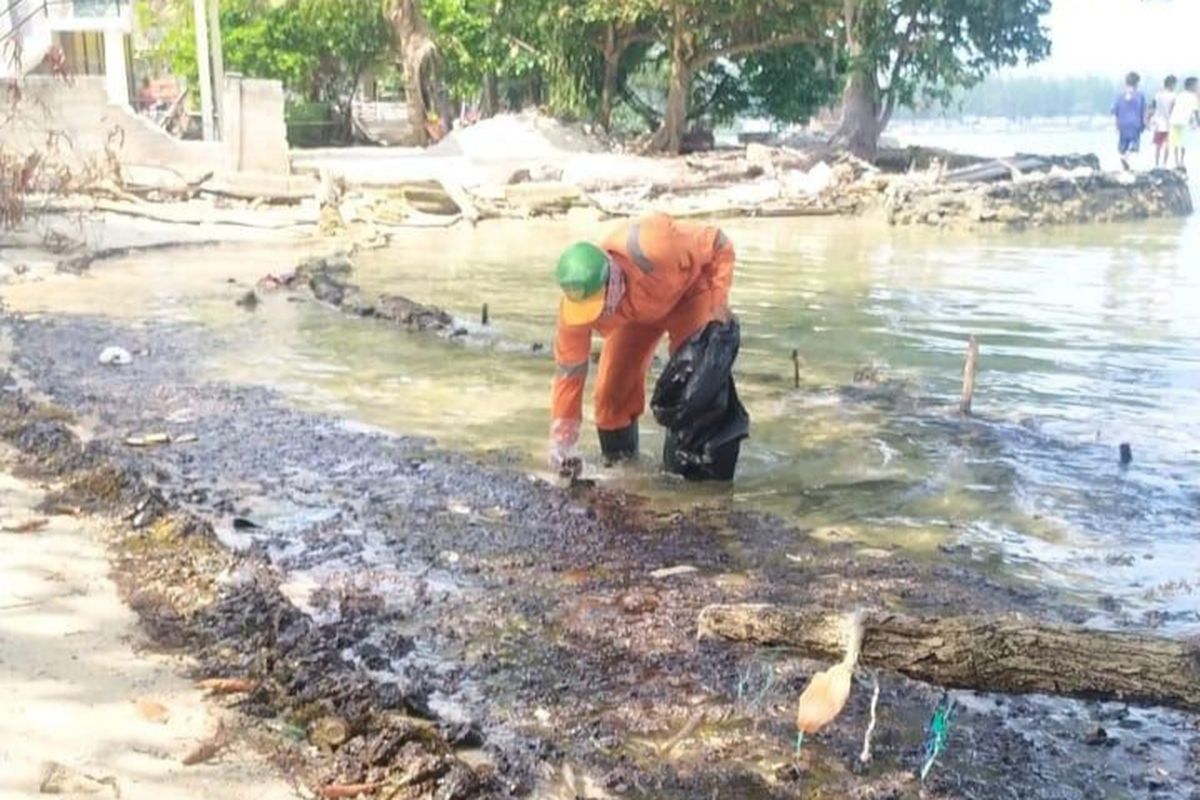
[[582, 271]]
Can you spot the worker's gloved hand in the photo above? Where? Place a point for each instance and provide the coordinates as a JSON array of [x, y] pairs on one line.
[[564, 457]]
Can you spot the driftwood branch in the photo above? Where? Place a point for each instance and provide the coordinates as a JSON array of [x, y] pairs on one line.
[[168, 119], [1009, 654]]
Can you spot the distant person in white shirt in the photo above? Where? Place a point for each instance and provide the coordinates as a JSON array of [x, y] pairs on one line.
[[1160, 120], [1184, 116]]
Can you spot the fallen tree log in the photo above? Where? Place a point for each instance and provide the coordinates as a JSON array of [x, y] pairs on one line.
[[1008, 654]]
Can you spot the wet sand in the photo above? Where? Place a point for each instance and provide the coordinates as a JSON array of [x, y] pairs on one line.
[[400, 588]]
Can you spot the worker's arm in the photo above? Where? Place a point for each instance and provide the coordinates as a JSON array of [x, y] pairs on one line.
[[572, 349], [712, 250]]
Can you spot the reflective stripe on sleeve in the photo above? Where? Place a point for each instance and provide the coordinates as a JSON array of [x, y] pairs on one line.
[[634, 246]]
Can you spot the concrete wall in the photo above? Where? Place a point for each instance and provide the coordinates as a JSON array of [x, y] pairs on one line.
[[253, 130], [80, 116], [116, 67], [81, 112]]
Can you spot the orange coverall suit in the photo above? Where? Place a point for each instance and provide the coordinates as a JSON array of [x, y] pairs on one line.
[[677, 277]]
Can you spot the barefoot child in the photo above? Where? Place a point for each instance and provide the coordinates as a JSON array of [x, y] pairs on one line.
[[1160, 120], [1129, 110], [1183, 119]]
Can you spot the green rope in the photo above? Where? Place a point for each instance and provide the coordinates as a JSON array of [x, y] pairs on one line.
[[937, 732]]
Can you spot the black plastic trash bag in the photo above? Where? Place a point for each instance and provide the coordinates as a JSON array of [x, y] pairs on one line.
[[696, 401]]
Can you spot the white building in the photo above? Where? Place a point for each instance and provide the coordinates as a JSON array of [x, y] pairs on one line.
[[93, 35]]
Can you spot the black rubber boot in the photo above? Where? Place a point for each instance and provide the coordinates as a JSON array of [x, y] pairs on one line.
[[619, 445]]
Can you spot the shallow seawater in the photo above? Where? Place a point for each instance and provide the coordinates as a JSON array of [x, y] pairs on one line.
[[1089, 337]]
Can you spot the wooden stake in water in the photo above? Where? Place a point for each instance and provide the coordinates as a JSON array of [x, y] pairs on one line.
[[483, 315], [968, 382], [796, 368]]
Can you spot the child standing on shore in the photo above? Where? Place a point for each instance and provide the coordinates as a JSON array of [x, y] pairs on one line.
[[1183, 118], [1129, 109], [1160, 120]]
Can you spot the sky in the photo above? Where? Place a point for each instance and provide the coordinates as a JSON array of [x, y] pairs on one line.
[[1111, 37]]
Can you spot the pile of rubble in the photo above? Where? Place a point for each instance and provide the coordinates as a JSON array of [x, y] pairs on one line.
[[519, 166], [1058, 197], [759, 181], [778, 181]]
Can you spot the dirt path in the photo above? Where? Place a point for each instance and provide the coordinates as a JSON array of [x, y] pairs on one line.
[[76, 687]]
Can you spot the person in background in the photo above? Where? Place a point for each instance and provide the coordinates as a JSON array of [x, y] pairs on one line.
[[1183, 117], [1160, 120], [1129, 110], [146, 97]]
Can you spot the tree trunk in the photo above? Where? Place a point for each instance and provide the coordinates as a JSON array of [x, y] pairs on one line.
[[675, 122], [536, 90], [490, 105], [985, 653], [669, 137], [447, 111], [612, 64], [859, 129], [417, 113], [414, 49], [608, 93]]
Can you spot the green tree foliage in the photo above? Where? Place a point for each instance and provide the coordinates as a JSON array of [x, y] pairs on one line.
[[788, 84], [792, 84], [669, 62], [476, 42], [346, 36], [699, 33], [319, 49], [573, 57], [912, 52]]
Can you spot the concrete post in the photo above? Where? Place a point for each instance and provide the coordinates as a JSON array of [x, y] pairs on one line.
[[202, 60], [231, 121], [116, 68], [218, 60]]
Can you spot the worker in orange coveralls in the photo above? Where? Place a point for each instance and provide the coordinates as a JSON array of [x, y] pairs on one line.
[[653, 276]]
